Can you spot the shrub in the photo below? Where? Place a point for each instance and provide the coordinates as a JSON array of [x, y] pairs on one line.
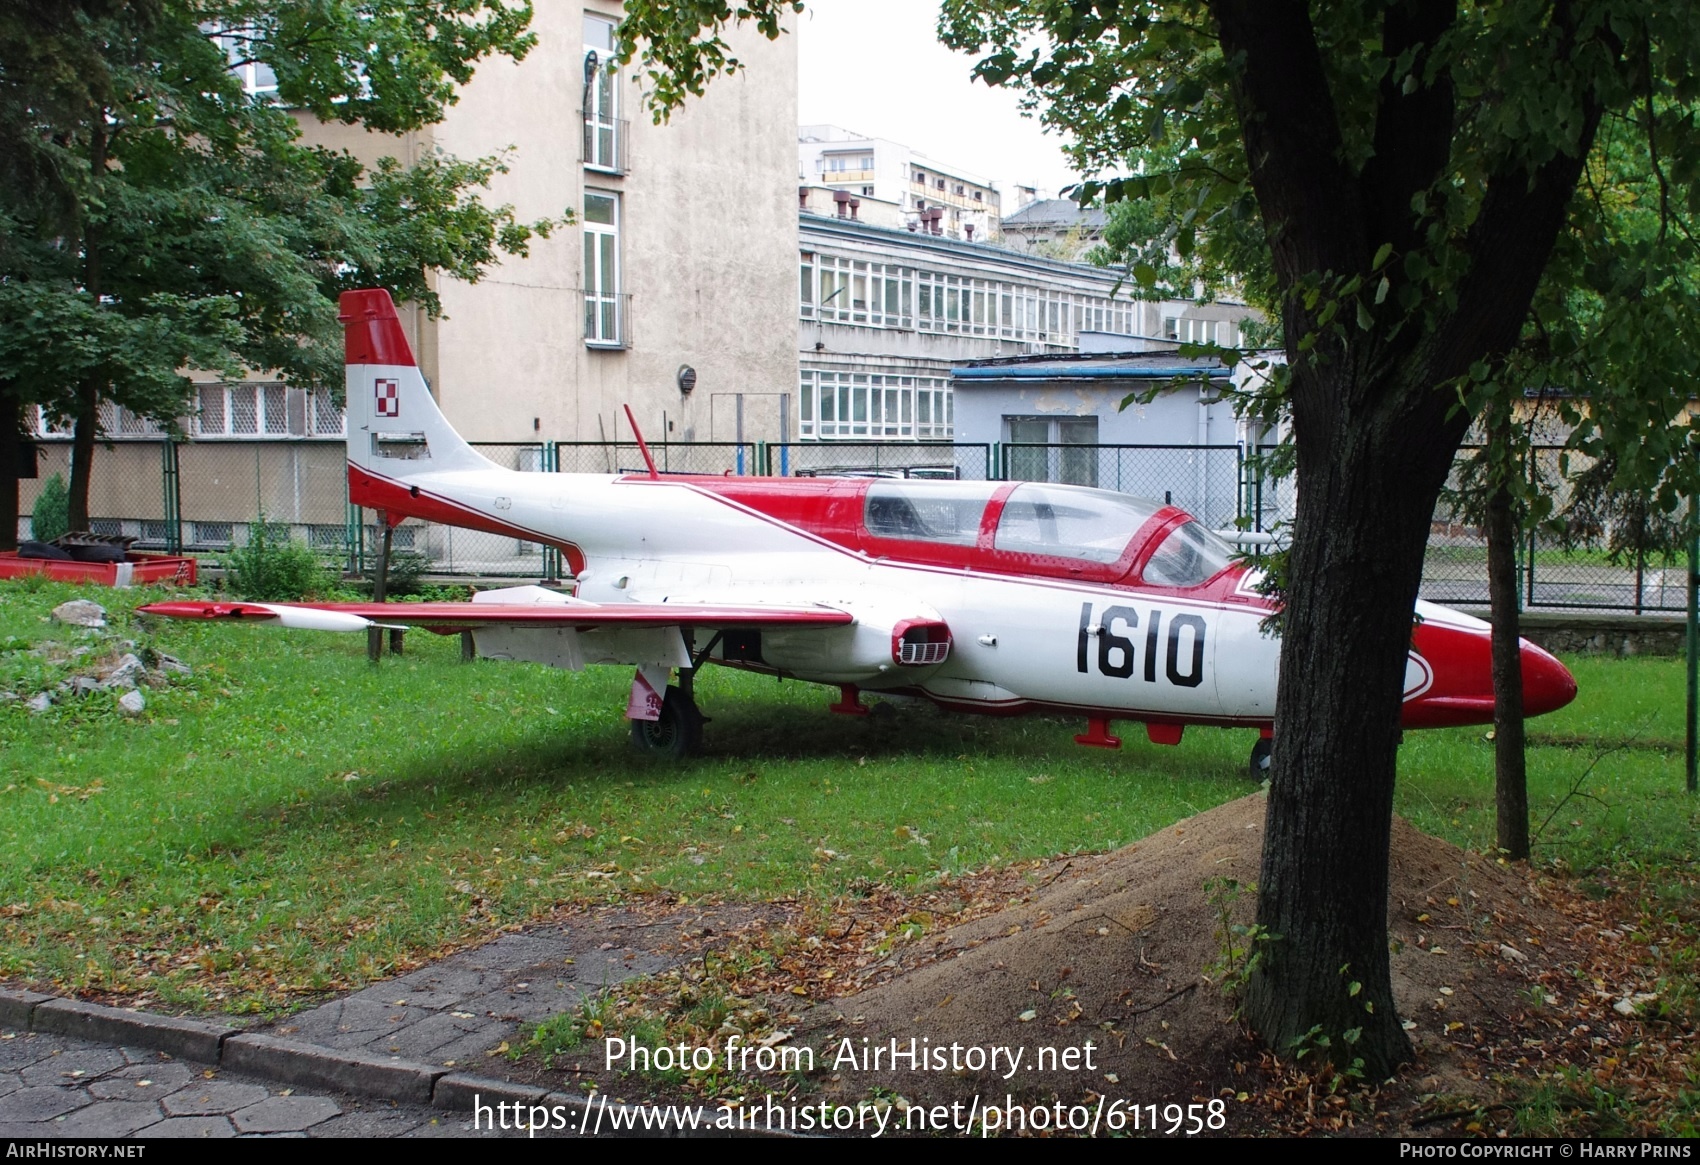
[[406, 573], [52, 514], [274, 568]]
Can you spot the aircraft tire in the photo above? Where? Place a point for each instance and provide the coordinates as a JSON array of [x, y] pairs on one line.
[[1261, 754], [676, 735]]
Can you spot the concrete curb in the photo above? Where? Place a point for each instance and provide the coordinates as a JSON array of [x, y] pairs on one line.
[[191, 1039], [457, 1091], [309, 1065], [316, 1067], [18, 1007]]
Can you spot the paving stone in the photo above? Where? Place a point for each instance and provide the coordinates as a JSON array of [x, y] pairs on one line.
[[113, 1118], [73, 1066], [420, 1040], [461, 1129], [10, 1082], [212, 1096], [195, 1127], [469, 1052], [368, 1018], [141, 1083], [23, 1051], [40, 1104], [282, 1114], [369, 1126], [442, 986]]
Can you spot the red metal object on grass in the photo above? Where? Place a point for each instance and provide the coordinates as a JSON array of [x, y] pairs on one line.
[[135, 570]]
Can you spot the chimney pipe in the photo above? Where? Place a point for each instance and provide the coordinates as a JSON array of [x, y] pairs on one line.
[[855, 205], [842, 198], [969, 228]]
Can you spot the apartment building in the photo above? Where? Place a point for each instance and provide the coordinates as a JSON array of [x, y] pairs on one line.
[[947, 199], [885, 314]]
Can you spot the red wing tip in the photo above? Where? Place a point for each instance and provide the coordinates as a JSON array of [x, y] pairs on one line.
[[207, 610]]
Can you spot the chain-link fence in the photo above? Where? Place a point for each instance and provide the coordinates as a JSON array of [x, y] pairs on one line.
[[1205, 480], [1600, 549], [936, 459], [718, 458]]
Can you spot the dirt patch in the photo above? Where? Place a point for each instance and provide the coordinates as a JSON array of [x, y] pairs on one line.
[[1496, 971], [1121, 950]]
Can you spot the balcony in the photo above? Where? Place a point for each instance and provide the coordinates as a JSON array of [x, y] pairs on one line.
[[607, 320], [605, 146]]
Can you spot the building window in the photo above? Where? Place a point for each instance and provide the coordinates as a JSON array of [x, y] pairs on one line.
[[856, 406], [258, 79], [264, 410], [1060, 449], [1189, 331], [851, 292], [604, 132], [604, 306]]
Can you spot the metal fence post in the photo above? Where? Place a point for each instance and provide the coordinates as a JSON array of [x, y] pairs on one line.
[[172, 483], [551, 459], [764, 454], [1693, 645]]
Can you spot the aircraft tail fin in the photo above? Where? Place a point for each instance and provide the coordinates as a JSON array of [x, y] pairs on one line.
[[395, 430]]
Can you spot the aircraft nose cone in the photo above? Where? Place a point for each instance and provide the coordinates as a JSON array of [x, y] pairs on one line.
[[1547, 684]]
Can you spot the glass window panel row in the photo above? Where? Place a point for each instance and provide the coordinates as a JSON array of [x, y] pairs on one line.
[[882, 295], [873, 407]]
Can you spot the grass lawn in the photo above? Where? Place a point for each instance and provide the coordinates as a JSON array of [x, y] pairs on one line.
[[291, 820]]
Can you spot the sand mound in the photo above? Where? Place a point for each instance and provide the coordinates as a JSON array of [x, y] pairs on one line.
[[1120, 950]]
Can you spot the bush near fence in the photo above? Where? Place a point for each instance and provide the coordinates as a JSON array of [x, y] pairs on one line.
[[202, 497]]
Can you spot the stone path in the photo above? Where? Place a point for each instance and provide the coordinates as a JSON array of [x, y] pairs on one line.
[[450, 1013], [56, 1086], [402, 1058]]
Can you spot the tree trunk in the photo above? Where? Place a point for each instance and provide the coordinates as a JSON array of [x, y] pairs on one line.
[[1366, 494], [12, 453], [93, 386], [1510, 783], [82, 453]]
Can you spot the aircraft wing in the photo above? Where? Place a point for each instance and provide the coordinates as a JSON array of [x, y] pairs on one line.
[[575, 615]]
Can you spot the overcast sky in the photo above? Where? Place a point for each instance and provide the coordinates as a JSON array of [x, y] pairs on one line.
[[876, 67]]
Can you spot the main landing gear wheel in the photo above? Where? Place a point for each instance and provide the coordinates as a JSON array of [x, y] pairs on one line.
[[1261, 754], [676, 735]]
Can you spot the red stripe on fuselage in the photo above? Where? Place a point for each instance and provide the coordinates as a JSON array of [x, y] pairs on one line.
[[374, 492]]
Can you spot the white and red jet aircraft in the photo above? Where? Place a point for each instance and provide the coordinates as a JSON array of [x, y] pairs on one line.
[[990, 597]]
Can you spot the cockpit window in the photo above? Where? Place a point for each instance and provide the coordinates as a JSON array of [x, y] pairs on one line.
[[1092, 524], [925, 511], [1189, 555]]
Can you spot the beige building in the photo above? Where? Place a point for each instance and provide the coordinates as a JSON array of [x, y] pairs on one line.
[[682, 255]]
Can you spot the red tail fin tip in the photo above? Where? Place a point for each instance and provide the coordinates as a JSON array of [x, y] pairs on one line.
[[371, 329]]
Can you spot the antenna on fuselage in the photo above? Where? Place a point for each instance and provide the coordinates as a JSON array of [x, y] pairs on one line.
[[642, 447]]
